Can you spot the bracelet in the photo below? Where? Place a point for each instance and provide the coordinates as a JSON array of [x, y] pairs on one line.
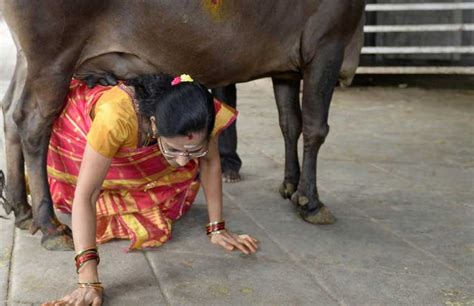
[[85, 256], [95, 285], [215, 226], [88, 250], [214, 223], [215, 233]]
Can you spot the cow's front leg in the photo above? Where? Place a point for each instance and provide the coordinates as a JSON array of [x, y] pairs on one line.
[[41, 101], [320, 77], [15, 188], [289, 114]]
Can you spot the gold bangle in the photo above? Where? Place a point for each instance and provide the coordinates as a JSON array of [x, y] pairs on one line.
[[214, 223], [90, 285], [216, 232]]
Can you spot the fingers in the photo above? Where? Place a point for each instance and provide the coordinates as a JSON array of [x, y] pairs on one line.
[[238, 243], [103, 82], [80, 296], [110, 78], [229, 247], [97, 301], [252, 241], [90, 81], [229, 241], [250, 245]]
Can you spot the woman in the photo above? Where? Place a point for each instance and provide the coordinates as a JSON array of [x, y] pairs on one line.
[[128, 160]]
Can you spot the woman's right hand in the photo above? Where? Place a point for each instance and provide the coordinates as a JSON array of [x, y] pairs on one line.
[[81, 296]]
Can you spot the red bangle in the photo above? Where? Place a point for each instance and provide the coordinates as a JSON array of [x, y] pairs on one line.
[[215, 227], [83, 258], [85, 251]]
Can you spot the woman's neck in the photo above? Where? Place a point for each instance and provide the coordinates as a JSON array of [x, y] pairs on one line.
[[145, 131]]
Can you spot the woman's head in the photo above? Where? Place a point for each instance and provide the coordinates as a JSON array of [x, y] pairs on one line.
[[180, 110]]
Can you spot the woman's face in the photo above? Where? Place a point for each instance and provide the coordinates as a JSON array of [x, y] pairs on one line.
[[179, 150]]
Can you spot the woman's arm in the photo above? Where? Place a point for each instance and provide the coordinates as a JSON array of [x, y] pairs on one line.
[[211, 179], [92, 173], [210, 174]]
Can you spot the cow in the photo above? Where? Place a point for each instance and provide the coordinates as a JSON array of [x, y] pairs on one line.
[[218, 42]]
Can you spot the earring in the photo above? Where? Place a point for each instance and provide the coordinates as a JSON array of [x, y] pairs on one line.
[[153, 126]]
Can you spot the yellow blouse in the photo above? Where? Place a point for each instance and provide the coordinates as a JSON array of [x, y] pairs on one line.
[[115, 123]]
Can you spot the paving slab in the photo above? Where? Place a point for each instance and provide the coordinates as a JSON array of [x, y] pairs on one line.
[[374, 287], [41, 275], [37, 274], [427, 177], [204, 280], [6, 249], [351, 242]]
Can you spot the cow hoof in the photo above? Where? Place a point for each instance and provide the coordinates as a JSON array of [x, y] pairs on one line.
[[321, 216], [60, 240], [24, 221], [231, 176], [24, 224], [287, 190]]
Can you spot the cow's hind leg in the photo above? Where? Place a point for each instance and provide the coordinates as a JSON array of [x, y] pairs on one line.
[[15, 189], [289, 114], [41, 100]]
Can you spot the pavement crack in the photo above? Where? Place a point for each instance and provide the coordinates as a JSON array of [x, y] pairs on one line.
[[10, 266], [165, 297]]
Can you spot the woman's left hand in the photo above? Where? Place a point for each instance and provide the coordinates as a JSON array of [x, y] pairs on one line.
[[229, 241]]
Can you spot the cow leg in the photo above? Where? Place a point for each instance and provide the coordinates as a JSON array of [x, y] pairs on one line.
[[320, 77], [230, 160], [15, 188], [289, 114], [40, 102]]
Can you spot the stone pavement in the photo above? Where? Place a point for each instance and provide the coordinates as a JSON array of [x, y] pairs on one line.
[[396, 170]]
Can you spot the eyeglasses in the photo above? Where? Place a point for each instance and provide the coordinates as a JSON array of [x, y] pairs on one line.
[[176, 154]]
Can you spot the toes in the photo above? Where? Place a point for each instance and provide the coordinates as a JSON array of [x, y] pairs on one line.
[[231, 177]]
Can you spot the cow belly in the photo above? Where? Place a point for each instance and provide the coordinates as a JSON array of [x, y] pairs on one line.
[[122, 65]]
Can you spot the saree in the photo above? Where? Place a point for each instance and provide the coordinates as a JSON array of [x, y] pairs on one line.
[[142, 193]]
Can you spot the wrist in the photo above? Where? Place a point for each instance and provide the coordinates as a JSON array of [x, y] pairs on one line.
[[88, 272]]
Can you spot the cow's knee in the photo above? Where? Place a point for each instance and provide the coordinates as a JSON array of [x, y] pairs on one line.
[[316, 136]]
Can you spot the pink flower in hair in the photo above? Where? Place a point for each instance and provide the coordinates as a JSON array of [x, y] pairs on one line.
[[181, 78]]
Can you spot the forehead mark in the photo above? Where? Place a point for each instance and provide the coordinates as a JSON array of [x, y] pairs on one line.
[[214, 7]]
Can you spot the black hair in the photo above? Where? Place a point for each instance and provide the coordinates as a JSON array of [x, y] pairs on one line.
[[178, 109]]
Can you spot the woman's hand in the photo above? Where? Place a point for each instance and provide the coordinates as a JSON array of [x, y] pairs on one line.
[[229, 241], [81, 296]]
